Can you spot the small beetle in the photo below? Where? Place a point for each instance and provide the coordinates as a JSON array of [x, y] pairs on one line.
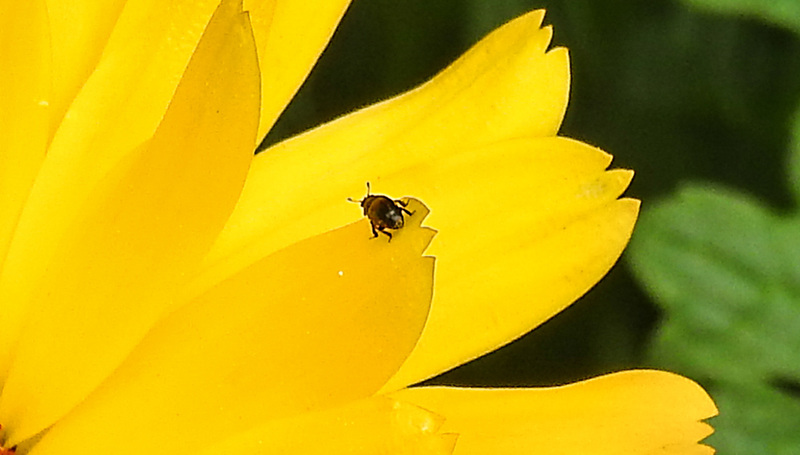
[[383, 213]]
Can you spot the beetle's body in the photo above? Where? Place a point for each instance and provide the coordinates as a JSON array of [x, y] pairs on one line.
[[383, 212]]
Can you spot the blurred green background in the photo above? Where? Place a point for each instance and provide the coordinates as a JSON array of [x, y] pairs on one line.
[[699, 98]]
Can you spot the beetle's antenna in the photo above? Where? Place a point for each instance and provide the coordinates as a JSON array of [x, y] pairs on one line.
[[358, 202]]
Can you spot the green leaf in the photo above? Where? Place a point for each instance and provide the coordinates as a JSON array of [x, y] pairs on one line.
[[755, 420], [794, 158], [783, 13], [726, 271]]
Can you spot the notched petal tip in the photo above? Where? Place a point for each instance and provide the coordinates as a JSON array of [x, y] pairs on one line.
[[631, 412], [419, 211], [609, 185], [532, 19]]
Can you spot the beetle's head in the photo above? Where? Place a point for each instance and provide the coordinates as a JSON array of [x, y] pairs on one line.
[[395, 218]]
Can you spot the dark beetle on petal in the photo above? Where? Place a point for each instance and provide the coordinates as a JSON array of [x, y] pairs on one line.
[[383, 212]]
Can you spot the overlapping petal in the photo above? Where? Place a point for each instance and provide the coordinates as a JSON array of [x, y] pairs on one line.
[[116, 110], [633, 412], [321, 323], [142, 228]]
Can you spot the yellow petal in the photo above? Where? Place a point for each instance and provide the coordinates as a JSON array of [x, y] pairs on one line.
[[122, 102], [79, 32], [138, 234], [290, 36], [633, 412], [506, 86], [118, 108], [24, 123], [537, 227], [315, 325], [368, 427]]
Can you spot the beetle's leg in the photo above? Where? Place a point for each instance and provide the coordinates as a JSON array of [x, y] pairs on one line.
[[374, 232], [403, 205], [382, 231]]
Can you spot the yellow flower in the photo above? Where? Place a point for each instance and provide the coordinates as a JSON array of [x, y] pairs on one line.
[[164, 292]]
